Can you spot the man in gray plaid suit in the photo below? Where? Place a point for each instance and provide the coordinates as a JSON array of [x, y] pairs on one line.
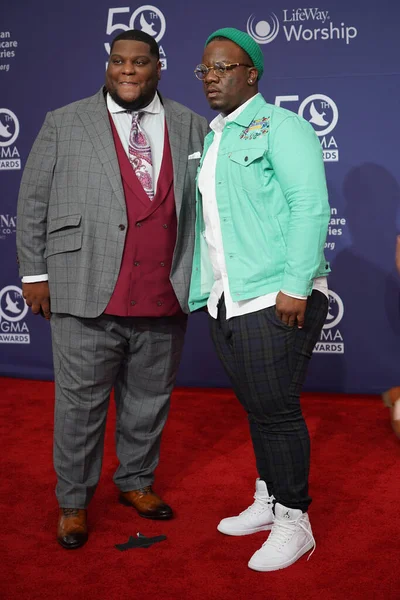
[[105, 243]]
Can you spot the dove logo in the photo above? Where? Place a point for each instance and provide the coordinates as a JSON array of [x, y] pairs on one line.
[[9, 127], [4, 132], [335, 310], [149, 19], [12, 304], [9, 131], [12, 312], [263, 32], [331, 339], [321, 112], [316, 117]]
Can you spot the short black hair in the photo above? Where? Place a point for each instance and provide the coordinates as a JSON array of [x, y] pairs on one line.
[[138, 36]]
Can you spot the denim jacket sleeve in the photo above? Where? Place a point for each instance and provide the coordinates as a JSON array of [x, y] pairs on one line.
[[296, 157]]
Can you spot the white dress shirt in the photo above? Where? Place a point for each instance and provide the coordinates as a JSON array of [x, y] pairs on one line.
[[153, 124], [213, 236]]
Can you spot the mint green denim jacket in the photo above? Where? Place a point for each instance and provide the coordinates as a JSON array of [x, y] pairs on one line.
[[272, 203]]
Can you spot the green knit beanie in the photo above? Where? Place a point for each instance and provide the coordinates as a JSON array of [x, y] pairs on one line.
[[246, 42]]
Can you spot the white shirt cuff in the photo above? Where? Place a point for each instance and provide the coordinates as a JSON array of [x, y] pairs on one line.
[[294, 295], [35, 278]]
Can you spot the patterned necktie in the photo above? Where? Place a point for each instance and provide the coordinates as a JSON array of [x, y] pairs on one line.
[[140, 155]]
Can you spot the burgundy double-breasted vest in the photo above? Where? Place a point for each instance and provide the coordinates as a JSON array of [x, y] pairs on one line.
[[143, 287]]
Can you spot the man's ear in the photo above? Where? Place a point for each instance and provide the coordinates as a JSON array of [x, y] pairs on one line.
[[253, 76]]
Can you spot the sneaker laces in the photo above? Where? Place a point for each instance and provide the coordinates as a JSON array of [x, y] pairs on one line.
[[282, 531], [260, 503]]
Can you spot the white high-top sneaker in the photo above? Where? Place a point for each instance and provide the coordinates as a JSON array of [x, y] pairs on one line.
[[258, 517], [290, 538]]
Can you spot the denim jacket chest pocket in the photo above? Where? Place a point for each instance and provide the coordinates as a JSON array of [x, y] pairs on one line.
[[246, 168]]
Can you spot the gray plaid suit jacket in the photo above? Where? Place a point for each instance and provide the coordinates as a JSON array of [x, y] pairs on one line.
[[71, 204]]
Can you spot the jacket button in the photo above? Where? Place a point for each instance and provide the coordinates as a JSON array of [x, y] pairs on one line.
[[138, 224], [136, 263], [121, 227], [159, 303], [246, 158], [162, 264], [133, 302], [165, 226]]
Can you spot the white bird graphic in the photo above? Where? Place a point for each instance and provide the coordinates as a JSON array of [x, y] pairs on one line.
[[11, 306], [4, 130], [317, 117], [329, 317], [147, 27]]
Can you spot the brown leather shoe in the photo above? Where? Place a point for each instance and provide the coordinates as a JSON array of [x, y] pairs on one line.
[[72, 528], [391, 399], [147, 503]]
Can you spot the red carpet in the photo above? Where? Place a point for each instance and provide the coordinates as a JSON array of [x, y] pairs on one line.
[[206, 472]]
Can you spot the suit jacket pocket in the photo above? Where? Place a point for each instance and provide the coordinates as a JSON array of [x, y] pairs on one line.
[[64, 222], [64, 235]]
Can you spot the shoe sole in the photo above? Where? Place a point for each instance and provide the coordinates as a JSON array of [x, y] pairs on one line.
[[241, 532], [299, 554], [144, 516], [72, 546]]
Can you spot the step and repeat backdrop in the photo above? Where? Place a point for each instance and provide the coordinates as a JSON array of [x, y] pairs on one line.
[[335, 62]]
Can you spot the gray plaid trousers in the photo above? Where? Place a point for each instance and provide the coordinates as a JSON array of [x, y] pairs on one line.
[[139, 357]]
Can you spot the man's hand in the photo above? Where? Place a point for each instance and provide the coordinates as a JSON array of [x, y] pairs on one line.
[[37, 296], [290, 310], [398, 253]]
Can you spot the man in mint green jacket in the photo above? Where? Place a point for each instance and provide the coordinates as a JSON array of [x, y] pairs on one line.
[[260, 272]]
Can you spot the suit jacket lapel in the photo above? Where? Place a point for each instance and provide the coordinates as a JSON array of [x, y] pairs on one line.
[[95, 118], [178, 124]]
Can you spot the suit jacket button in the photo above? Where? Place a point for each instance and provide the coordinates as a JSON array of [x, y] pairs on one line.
[[162, 264], [133, 302], [136, 263], [122, 227], [138, 224], [159, 303], [165, 226]]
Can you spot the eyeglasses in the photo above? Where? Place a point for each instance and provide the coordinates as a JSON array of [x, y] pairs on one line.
[[220, 69]]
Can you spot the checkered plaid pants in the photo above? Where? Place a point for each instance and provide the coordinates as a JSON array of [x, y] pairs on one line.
[[266, 362], [139, 357]]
